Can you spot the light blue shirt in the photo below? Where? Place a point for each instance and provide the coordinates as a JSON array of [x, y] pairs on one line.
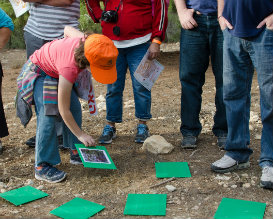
[[5, 20]]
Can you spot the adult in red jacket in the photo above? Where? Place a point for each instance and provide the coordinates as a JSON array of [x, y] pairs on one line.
[[135, 26]]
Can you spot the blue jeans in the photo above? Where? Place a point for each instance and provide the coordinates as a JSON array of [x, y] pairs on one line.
[[128, 57], [241, 56], [46, 149], [196, 46]]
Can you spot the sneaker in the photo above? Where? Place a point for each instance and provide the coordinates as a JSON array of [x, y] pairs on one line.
[[75, 158], [267, 178], [49, 173], [189, 142], [31, 142], [221, 141], [108, 134], [142, 133], [228, 164]]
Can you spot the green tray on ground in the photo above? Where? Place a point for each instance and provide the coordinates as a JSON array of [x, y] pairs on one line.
[[77, 208], [23, 195], [240, 209], [172, 169], [95, 157], [146, 204]]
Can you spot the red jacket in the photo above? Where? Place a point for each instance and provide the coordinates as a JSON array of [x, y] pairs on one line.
[[136, 18]]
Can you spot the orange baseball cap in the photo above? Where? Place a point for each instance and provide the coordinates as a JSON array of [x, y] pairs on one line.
[[102, 54]]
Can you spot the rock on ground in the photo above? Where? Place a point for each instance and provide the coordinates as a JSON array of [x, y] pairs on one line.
[[156, 144]]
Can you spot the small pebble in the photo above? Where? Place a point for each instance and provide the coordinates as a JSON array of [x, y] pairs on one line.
[[246, 185], [170, 188]]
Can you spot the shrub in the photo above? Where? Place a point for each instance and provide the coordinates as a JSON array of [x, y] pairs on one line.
[[17, 37], [86, 24]]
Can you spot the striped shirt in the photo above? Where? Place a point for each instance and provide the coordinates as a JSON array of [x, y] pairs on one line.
[[47, 22]]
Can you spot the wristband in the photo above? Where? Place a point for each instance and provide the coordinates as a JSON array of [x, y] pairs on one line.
[[156, 41]]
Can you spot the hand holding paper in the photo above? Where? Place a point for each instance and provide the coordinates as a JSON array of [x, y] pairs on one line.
[[148, 71], [19, 6]]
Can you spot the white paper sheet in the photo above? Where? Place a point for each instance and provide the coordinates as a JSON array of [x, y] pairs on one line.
[[148, 71], [85, 90], [19, 6]]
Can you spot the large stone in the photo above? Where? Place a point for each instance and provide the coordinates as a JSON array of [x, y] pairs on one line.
[[156, 144]]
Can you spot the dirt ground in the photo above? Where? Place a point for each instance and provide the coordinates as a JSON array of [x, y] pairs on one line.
[[195, 197]]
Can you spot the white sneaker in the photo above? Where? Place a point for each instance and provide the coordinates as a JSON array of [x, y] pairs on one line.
[[228, 164], [267, 177]]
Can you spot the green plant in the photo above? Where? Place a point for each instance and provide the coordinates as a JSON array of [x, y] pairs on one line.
[[86, 24], [17, 37]]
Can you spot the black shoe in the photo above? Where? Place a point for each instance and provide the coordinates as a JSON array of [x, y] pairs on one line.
[[31, 142], [221, 141], [75, 158], [60, 142], [189, 142], [1, 147]]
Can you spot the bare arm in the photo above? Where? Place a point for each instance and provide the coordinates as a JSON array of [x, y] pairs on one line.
[[64, 95], [185, 15], [72, 32], [57, 3], [222, 21], [4, 36]]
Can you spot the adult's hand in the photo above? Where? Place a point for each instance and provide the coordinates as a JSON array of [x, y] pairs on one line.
[[268, 21], [186, 19], [154, 51], [224, 23]]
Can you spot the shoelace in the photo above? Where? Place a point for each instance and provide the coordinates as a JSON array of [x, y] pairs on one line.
[[223, 159], [107, 129], [141, 130], [266, 170], [49, 170]]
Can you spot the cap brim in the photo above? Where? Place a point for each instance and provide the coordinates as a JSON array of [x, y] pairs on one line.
[[104, 76]]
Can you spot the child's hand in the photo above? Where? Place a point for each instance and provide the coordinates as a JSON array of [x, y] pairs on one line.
[[87, 140]]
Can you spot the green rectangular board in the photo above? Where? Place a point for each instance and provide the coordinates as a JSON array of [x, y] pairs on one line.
[[77, 208], [172, 169], [23, 195], [146, 204], [106, 161], [240, 209]]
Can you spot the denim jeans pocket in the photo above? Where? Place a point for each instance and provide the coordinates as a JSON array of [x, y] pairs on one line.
[[192, 32], [269, 30]]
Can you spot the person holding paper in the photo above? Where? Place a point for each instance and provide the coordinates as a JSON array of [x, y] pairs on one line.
[[6, 28], [248, 43], [46, 23], [135, 27], [201, 40], [48, 79]]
